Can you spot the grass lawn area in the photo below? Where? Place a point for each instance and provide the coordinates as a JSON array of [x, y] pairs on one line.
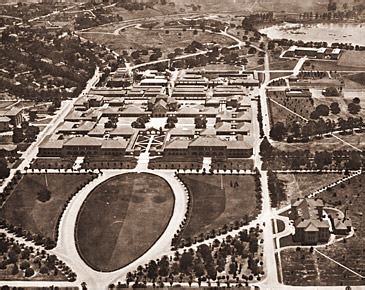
[[24, 209], [299, 268], [122, 218], [354, 80], [145, 39], [330, 144], [282, 64], [324, 65], [353, 59], [214, 207], [299, 185]]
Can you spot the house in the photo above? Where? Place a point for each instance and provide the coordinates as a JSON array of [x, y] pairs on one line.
[[189, 92], [4, 123], [82, 146], [310, 227], [160, 109], [15, 115], [208, 146], [234, 117], [170, 103], [227, 91], [341, 224]]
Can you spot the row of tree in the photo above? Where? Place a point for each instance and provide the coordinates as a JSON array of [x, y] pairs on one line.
[[232, 256]]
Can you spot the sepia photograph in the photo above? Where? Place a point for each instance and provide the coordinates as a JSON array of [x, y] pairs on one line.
[[184, 144]]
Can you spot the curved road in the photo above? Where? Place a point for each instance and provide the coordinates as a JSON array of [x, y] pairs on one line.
[[66, 248]]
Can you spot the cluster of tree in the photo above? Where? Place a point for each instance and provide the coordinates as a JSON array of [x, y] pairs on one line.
[[311, 74], [99, 17], [25, 133], [278, 83], [141, 121], [276, 159], [251, 21], [354, 107], [232, 256], [276, 188], [200, 122], [259, 118], [171, 121], [131, 5], [18, 258], [66, 61], [4, 170], [317, 127], [112, 122]]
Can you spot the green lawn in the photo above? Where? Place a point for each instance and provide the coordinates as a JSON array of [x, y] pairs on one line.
[[122, 218], [24, 209], [299, 185], [214, 207]]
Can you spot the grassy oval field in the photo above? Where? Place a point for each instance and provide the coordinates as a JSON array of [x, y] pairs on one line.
[[122, 218]]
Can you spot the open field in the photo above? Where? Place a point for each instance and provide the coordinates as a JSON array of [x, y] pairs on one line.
[[214, 207], [299, 185], [354, 80], [282, 64], [299, 268], [24, 209], [329, 144], [353, 59], [137, 39], [324, 65], [122, 218]]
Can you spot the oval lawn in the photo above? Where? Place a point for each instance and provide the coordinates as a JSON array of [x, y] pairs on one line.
[[122, 218]]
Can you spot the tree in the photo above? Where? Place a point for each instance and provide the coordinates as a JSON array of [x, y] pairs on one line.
[[356, 101], [29, 272], [200, 122], [32, 115], [14, 269], [44, 195], [24, 265], [322, 159], [354, 162], [331, 92], [164, 266], [335, 108], [354, 109], [31, 133], [186, 262], [152, 271], [266, 149], [4, 170], [278, 131], [18, 135]]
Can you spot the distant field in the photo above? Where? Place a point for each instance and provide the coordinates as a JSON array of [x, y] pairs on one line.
[[354, 80], [144, 39], [346, 65], [282, 64], [24, 209], [122, 218], [353, 59], [330, 144], [299, 185], [214, 207]]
